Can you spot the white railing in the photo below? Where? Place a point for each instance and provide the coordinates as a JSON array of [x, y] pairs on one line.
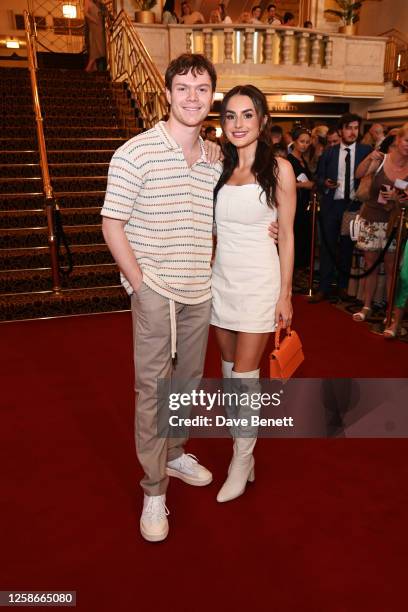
[[258, 44], [278, 58]]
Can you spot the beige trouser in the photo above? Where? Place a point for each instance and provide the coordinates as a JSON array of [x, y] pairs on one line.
[[152, 357]]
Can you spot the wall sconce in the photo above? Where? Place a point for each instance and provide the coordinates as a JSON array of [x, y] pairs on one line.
[[69, 11], [12, 44], [218, 96]]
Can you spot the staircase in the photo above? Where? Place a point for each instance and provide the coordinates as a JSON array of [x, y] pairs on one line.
[[392, 107], [86, 118]]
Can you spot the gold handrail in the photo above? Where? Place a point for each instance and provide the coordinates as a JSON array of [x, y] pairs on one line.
[[50, 204], [130, 61]]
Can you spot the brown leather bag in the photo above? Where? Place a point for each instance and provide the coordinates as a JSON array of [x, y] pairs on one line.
[[363, 193], [287, 356]]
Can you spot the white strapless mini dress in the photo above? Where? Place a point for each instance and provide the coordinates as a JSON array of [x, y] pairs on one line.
[[246, 271]]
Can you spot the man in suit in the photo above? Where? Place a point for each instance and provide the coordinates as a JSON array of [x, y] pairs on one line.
[[336, 182]]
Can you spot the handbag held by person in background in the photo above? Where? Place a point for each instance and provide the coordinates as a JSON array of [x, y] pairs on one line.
[[363, 192], [350, 223]]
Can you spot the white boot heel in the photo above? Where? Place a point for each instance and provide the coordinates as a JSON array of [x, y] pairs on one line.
[[242, 467], [242, 471]]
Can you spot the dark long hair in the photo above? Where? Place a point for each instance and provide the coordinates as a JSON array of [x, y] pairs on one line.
[[265, 166], [169, 6]]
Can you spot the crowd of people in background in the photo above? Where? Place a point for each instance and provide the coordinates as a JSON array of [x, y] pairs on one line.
[[219, 15], [331, 160], [328, 159]]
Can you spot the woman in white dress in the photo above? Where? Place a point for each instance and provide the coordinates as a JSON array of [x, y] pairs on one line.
[[251, 282]]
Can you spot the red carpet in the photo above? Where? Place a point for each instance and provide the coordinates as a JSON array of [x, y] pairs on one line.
[[321, 530]]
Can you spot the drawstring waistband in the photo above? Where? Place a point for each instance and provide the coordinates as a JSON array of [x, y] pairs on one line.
[[173, 329]]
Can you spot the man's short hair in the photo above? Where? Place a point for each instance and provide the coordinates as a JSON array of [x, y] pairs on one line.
[[271, 6], [195, 62], [287, 17], [348, 118], [276, 129], [210, 128], [280, 150], [254, 8], [332, 130]]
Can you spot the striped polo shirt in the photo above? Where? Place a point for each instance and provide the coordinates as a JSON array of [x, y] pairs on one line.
[[168, 209]]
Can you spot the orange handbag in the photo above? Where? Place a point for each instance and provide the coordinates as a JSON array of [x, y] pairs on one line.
[[287, 356]]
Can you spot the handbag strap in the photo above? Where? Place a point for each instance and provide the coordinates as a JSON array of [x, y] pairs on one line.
[[277, 334], [382, 164]]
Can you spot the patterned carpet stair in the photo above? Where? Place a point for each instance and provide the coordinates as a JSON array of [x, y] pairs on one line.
[[86, 118]]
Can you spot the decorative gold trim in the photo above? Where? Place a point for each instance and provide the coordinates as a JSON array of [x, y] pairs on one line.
[[130, 61]]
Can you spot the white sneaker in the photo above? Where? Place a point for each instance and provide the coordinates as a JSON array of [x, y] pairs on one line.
[[187, 468], [154, 525]]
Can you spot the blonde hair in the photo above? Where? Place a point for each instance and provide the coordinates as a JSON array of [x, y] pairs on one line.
[[403, 131], [320, 130]]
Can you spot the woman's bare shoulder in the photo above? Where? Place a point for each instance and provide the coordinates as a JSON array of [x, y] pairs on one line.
[[285, 167]]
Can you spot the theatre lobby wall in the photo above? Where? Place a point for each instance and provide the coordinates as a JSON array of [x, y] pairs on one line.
[[299, 61]]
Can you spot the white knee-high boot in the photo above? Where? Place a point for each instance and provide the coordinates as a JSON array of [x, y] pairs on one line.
[[242, 466], [230, 409]]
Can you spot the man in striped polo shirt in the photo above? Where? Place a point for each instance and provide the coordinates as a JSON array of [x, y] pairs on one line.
[[158, 215]]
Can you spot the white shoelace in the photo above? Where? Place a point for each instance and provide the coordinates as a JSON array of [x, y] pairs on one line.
[[155, 509], [188, 461]]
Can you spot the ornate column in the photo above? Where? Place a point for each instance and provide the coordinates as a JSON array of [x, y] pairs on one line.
[[317, 16], [189, 41], [208, 43], [328, 51], [249, 46], [268, 46], [286, 38], [228, 35], [315, 55], [302, 59]]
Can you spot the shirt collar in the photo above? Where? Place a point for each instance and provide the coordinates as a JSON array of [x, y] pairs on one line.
[[166, 138], [344, 146], [171, 144]]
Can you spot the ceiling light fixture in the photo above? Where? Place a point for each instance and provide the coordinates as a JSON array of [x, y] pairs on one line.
[[69, 11]]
